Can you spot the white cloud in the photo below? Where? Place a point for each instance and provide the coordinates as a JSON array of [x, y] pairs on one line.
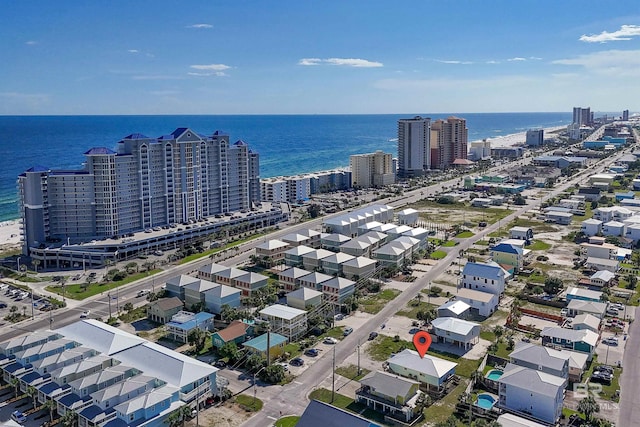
[[217, 74], [453, 62], [31, 43], [626, 32], [607, 62], [517, 58], [535, 58], [211, 67], [133, 51], [348, 62], [200, 26], [493, 62]]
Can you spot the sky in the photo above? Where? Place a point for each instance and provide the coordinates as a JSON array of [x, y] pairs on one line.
[[318, 57]]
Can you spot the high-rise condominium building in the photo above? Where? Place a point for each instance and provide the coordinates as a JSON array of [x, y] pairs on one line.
[[582, 116], [625, 115], [535, 137], [448, 142], [371, 170], [414, 154], [145, 183]]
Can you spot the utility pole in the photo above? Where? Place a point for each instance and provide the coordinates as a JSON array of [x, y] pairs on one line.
[[358, 357], [109, 297], [333, 378], [268, 344], [33, 316]]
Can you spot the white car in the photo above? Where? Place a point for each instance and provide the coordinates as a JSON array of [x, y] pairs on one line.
[[330, 340], [85, 314]]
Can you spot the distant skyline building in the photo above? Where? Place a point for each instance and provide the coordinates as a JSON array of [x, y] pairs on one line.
[[371, 169], [414, 153], [625, 115], [582, 116], [479, 150], [535, 137], [300, 187], [448, 142], [146, 183]]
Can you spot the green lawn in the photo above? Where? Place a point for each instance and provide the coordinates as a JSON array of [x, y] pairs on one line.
[[289, 421], [351, 372], [135, 314], [373, 303], [539, 245], [77, 292], [438, 254], [412, 308], [449, 244], [293, 348], [440, 411], [382, 347], [248, 403], [465, 234], [344, 402]]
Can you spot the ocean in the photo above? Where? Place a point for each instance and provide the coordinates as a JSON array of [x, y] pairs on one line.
[[288, 144]]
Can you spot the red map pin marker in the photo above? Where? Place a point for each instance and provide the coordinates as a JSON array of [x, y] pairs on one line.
[[422, 341]]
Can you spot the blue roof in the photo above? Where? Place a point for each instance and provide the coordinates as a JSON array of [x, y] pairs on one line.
[[176, 133], [136, 136], [49, 387], [199, 318], [220, 133], [28, 378], [320, 414], [69, 399], [13, 367], [91, 412], [37, 168], [260, 343], [240, 143], [507, 248], [116, 422], [485, 271], [99, 150]]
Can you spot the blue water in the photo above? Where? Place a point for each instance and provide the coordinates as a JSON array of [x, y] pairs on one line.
[[485, 401], [288, 145], [494, 374]]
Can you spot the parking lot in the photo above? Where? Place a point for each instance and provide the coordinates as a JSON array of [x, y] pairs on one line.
[[11, 296]]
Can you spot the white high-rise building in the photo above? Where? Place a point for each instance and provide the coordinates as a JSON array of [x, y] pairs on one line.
[[371, 170], [480, 150], [145, 183], [414, 150], [582, 116]]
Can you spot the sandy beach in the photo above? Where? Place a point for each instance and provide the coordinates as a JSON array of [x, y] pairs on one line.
[[9, 232], [516, 138]]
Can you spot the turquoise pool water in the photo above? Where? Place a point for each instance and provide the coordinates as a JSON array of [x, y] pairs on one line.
[[494, 374], [485, 401]]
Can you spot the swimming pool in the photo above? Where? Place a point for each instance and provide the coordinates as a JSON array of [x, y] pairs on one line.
[[485, 401], [494, 374]]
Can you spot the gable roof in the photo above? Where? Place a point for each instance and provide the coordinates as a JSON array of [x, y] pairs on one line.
[[282, 311], [486, 271], [236, 329], [456, 307], [532, 380], [100, 336], [165, 304], [388, 384], [474, 295], [506, 248], [573, 335], [320, 414], [588, 306], [604, 275], [539, 355], [587, 319], [429, 365], [260, 343], [455, 325]]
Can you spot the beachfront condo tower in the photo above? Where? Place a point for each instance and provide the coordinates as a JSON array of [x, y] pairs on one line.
[[371, 170], [144, 184], [414, 154], [582, 116], [535, 138], [448, 142]]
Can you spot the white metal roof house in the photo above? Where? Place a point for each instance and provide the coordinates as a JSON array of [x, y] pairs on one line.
[[456, 331], [545, 359], [532, 393], [586, 321], [482, 303], [484, 277], [454, 308], [611, 265], [576, 307], [303, 298], [287, 321], [591, 226], [429, 370], [577, 340], [601, 278]]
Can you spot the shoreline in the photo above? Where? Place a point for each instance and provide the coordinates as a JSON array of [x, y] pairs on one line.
[[10, 232]]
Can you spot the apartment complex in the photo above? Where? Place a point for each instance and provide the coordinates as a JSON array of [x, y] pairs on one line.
[[448, 142], [371, 170], [145, 183], [535, 137], [300, 187], [414, 154]]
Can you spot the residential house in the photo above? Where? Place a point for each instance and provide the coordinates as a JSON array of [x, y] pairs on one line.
[[389, 394], [454, 308], [312, 261], [604, 250], [304, 298], [613, 228], [20, 343], [183, 322], [293, 256], [591, 226], [320, 414], [583, 294], [578, 362], [275, 343], [358, 268], [508, 255], [333, 263], [521, 233], [219, 296], [602, 278], [633, 232], [408, 243], [539, 358], [357, 247], [456, 331], [271, 252], [586, 321], [332, 242], [583, 340], [512, 420], [337, 289], [288, 321], [226, 277], [562, 218], [295, 239], [390, 256], [612, 213], [419, 233], [249, 282], [482, 303], [367, 227], [209, 271], [174, 287], [161, 311], [430, 371], [408, 217], [488, 277], [591, 194], [576, 307], [314, 280], [611, 265], [289, 278], [531, 392], [236, 332], [194, 293]]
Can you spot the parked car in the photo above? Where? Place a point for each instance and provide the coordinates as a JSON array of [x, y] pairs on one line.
[[220, 364], [347, 331], [372, 336], [338, 316], [330, 340], [311, 352], [612, 312], [284, 366], [610, 341], [18, 417], [296, 362], [85, 314]]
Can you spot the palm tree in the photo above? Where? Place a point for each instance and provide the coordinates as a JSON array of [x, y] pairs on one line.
[[35, 263], [476, 377], [15, 383], [51, 405], [33, 393], [69, 419], [588, 406]]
